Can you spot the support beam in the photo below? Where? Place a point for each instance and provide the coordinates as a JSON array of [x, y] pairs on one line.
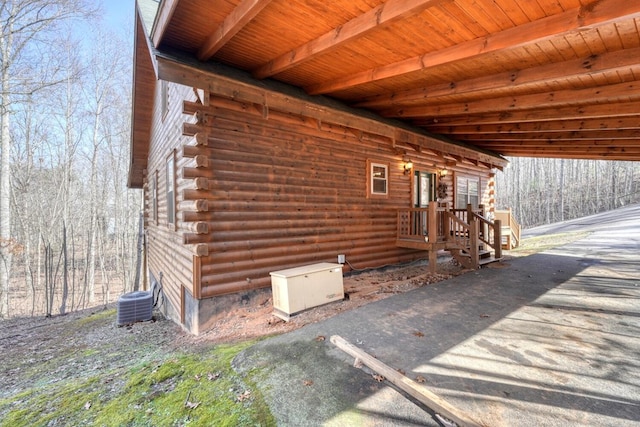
[[588, 17], [590, 136], [598, 111], [613, 62], [606, 124], [237, 19], [594, 95], [384, 14]]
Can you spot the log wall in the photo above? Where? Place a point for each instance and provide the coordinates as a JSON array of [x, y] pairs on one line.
[[265, 190], [168, 258], [259, 190]]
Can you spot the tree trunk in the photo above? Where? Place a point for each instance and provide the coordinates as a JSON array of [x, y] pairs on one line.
[[5, 184], [65, 270]]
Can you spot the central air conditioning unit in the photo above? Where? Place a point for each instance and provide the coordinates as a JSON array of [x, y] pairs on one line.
[[300, 288], [135, 307]]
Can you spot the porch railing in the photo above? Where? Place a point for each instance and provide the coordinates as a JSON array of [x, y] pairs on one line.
[[489, 233], [463, 230], [422, 224], [510, 227]]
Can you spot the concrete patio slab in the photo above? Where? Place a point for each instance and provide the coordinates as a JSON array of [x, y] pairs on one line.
[[551, 339]]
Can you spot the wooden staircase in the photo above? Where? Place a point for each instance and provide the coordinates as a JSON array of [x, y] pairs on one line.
[[472, 239]]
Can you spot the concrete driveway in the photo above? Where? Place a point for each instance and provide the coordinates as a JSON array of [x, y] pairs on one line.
[[552, 339]]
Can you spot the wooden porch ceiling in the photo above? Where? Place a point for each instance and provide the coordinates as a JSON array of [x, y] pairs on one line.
[[540, 78]]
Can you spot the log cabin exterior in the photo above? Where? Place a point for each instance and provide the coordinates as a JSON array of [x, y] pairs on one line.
[[243, 176]]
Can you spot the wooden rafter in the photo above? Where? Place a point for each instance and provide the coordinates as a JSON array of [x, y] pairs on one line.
[[548, 73], [628, 91], [612, 124], [566, 113], [598, 12], [579, 137], [237, 19], [375, 18]]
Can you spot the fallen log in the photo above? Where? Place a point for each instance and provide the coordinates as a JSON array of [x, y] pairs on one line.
[[431, 400]]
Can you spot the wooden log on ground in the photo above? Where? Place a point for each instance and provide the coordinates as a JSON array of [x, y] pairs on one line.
[[431, 400]]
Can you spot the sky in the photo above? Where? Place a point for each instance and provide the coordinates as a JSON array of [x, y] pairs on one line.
[[118, 13]]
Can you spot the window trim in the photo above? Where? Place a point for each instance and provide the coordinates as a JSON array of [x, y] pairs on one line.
[[371, 164], [170, 178], [164, 99], [154, 197], [457, 191]]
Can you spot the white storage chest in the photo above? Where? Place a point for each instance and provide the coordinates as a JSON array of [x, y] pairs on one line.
[[300, 288]]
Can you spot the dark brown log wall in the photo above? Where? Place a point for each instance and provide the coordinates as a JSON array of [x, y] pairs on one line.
[[168, 258], [265, 190]]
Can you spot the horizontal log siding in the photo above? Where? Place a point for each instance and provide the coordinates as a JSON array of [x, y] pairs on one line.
[[167, 255], [283, 190]]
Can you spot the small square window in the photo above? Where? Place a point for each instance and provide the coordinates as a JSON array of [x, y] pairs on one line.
[[378, 179]]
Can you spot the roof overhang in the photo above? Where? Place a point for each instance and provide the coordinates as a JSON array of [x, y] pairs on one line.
[[544, 78]]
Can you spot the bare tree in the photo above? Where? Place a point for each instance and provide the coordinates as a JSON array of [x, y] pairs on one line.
[[25, 27], [541, 191]]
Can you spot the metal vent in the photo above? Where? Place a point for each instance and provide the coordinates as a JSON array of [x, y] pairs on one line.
[[135, 307]]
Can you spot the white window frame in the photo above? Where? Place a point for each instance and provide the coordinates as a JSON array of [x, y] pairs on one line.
[[373, 170], [467, 196]]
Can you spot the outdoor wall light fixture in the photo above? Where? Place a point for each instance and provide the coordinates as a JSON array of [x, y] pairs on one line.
[[444, 172], [408, 166]]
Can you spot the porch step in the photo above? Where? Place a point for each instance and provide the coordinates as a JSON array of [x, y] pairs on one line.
[[485, 261], [485, 257]]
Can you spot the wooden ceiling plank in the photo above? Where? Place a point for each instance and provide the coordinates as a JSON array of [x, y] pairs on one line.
[[233, 23], [596, 13], [607, 62], [384, 14], [588, 96]]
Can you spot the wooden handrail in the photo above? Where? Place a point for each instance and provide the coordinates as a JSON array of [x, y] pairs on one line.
[[490, 233], [423, 224], [510, 222]]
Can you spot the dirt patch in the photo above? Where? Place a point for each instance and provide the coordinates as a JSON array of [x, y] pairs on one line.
[[256, 319]]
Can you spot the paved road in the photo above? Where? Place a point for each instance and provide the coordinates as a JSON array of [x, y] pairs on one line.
[[552, 339]]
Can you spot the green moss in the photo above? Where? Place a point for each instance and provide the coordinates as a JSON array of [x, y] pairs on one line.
[[196, 389], [166, 393], [52, 404], [97, 317]]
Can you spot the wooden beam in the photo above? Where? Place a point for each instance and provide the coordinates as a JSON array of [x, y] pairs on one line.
[[607, 135], [622, 60], [561, 98], [563, 153], [588, 17], [422, 394], [384, 14], [232, 24], [613, 124], [563, 113]]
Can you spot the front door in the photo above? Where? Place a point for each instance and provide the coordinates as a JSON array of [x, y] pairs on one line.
[[424, 189]]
